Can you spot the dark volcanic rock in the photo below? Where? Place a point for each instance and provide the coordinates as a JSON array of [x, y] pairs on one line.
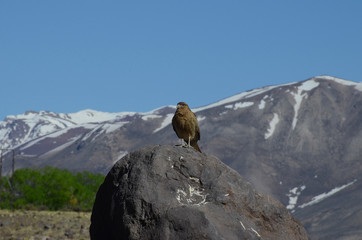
[[166, 192]]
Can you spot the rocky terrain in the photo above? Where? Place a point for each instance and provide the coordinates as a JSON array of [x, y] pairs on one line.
[[44, 225], [298, 142], [170, 192]]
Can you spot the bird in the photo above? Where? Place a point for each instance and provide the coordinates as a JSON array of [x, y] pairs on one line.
[[185, 124]]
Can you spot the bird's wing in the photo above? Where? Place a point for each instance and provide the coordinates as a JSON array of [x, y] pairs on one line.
[[174, 122], [193, 118], [197, 131]]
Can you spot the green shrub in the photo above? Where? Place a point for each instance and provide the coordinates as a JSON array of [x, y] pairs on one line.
[[49, 188]]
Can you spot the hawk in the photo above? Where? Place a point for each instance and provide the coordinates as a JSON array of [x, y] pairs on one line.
[[185, 124]]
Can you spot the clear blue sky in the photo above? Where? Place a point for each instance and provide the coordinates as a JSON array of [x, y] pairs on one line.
[[66, 56]]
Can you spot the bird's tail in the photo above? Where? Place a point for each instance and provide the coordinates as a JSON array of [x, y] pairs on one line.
[[194, 145]]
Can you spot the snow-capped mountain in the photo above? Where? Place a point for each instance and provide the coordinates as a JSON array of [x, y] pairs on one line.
[[300, 142], [19, 129]]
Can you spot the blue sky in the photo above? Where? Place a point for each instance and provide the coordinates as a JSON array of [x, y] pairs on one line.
[[114, 56]]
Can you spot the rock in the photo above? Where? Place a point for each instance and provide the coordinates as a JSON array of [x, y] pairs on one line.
[[168, 192]]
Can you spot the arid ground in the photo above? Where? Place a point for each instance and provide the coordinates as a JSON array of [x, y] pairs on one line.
[[43, 225]]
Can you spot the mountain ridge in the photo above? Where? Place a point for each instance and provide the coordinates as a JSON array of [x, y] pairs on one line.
[[57, 121]]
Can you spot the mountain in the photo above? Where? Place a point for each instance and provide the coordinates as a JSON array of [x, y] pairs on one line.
[[299, 142], [38, 137], [16, 130]]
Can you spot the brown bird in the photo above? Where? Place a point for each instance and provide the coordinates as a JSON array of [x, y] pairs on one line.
[[185, 124]]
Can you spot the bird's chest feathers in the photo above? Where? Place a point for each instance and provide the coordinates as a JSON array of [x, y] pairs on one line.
[[184, 122]]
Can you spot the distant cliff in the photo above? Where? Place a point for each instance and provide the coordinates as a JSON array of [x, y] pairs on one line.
[[166, 192]]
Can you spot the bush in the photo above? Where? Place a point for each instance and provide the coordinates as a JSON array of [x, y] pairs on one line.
[[49, 188]]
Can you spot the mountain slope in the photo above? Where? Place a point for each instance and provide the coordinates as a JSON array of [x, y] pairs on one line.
[[294, 141]]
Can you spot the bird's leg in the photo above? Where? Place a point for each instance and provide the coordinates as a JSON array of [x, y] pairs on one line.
[[189, 142]]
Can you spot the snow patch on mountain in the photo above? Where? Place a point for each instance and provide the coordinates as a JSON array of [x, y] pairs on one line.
[[300, 95], [54, 135], [4, 133], [120, 155], [94, 133], [293, 195], [92, 116], [166, 121], [272, 126], [262, 102], [70, 137], [323, 196], [358, 86], [62, 147], [240, 96], [111, 127], [338, 80], [151, 116], [200, 118], [239, 105]]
